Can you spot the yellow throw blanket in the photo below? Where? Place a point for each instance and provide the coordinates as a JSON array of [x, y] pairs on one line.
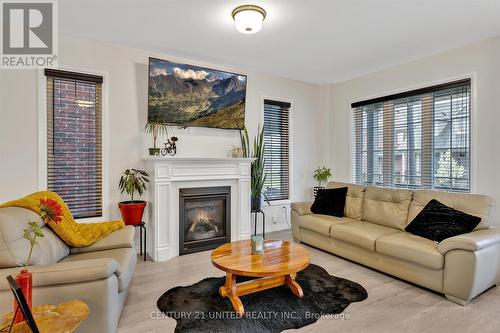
[[72, 233]]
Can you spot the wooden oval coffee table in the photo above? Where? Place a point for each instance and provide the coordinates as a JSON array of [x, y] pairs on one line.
[[278, 265]]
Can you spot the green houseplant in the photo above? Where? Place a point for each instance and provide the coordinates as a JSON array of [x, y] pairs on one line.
[[258, 176], [321, 175], [156, 127], [132, 181]]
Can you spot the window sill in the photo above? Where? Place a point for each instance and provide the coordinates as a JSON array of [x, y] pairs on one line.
[[276, 203], [91, 219]]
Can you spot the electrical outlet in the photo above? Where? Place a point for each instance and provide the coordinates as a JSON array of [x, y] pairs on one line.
[[274, 219]]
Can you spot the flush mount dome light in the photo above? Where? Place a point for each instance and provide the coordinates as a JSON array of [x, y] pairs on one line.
[[248, 18]]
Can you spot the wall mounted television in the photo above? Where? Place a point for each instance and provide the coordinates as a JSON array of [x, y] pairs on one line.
[[186, 95]]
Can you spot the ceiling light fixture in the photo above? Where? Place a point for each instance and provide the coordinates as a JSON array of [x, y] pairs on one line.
[[248, 19]]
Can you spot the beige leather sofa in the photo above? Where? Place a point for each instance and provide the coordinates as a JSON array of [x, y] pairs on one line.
[[99, 274], [372, 233]]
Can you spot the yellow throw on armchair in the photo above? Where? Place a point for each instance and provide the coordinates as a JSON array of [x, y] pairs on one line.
[[72, 233]]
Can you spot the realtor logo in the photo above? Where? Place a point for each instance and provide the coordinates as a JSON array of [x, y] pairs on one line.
[[29, 33]]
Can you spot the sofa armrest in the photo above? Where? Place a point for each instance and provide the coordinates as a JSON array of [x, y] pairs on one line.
[[472, 241], [65, 272], [122, 238], [302, 208]]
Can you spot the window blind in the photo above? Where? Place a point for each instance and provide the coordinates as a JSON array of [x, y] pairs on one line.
[[416, 139], [74, 140], [276, 149]]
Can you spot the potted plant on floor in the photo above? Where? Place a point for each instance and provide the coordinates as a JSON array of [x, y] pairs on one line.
[[132, 181], [257, 169], [321, 175], [156, 127]]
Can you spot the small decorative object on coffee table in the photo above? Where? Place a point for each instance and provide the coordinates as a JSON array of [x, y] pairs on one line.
[[257, 244], [277, 266]]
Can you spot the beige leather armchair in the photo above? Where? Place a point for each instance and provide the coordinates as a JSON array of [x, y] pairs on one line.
[[99, 274], [372, 233]]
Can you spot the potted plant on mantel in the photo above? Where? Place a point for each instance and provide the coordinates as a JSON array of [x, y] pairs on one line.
[[156, 127], [321, 175], [132, 181], [257, 169]]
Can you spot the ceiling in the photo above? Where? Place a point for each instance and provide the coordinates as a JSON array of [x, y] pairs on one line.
[[319, 41]]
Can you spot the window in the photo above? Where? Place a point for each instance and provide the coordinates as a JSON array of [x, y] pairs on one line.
[[74, 152], [276, 149], [417, 139]]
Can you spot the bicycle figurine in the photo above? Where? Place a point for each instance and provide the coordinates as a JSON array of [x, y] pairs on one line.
[[170, 147]]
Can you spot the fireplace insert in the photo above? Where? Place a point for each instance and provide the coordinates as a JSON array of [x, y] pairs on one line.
[[204, 217]]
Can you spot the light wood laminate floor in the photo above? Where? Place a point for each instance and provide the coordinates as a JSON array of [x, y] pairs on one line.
[[392, 305]]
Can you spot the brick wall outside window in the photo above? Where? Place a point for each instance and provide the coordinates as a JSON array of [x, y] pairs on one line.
[[74, 156]]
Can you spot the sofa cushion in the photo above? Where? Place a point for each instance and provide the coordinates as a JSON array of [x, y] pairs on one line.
[[14, 249], [320, 223], [122, 238], [361, 233], [330, 201], [473, 204], [354, 198], [126, 258], [387, 207], [438, 222], [412, 248]]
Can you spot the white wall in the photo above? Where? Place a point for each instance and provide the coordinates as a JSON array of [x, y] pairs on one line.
[[480, 60], [321, 115], [127, 75]]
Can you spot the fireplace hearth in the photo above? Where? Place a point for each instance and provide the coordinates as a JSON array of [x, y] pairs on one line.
[[204, 218]]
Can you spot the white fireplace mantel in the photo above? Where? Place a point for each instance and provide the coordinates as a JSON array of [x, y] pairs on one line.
[[169, 174]]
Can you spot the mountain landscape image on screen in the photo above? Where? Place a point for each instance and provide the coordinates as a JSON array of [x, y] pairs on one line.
[[188, 95]]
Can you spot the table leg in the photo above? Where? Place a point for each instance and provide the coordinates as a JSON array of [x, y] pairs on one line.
[[229, 290], [294, 286]]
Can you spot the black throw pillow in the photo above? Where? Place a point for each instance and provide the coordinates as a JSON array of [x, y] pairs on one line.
[[330, 201], [437, 222]]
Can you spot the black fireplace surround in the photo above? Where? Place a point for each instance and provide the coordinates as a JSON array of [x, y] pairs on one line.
[[204, 218]]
